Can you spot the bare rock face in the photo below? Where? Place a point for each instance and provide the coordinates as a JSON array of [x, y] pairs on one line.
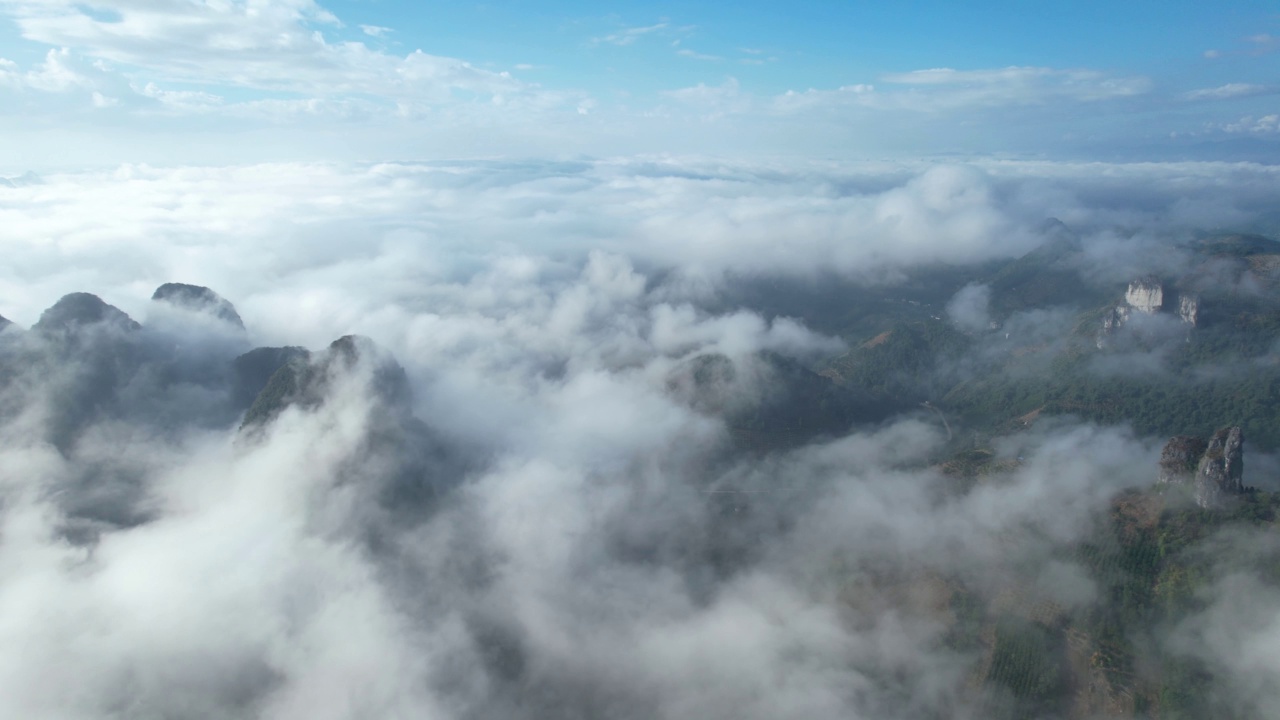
[[1214, 469], [1221, 470], [1180, 459], [1113, 320], [1189, 309], [1146, 295]]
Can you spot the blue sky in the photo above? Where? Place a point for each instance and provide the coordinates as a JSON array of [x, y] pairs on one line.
[[826, 43], [148, 80]]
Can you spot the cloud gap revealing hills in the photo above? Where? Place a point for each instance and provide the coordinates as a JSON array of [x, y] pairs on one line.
[[987, 357]]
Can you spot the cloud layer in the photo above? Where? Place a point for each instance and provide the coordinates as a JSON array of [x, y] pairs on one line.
[[317, 237], [594, 545]]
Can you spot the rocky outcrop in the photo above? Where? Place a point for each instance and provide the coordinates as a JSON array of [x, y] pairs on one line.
[[1180, 458], [1189, 309], [1221, 470], [1146, 295], [1214, 470], [1112, 320], [197, 298]]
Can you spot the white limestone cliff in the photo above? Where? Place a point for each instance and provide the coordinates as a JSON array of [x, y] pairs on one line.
[[1145, 295]]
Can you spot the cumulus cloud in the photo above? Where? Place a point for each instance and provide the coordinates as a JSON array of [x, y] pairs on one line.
[[61, 73], [273, 46], [1251, 125]]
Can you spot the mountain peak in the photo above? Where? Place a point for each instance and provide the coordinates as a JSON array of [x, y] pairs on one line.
[[197, 298], [26, 179], [80, 309], [306, 381]]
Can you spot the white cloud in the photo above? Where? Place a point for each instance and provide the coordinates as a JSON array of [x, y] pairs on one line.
[[243, 71], [946, 88], [628, 36], [577, 565], [56, 74], [1250, 125], [694, 55], [855, 95], [944, 92], [713, 101], [707, 217], [970, 308], [272, 46], [375, 30], [182, 99], [64, 82], [1231, 90]]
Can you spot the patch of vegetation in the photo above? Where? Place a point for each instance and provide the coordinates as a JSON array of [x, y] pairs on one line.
[[907, 362], [1028, 661]]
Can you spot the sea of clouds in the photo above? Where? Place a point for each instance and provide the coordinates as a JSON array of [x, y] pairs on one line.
[[577, 558]]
